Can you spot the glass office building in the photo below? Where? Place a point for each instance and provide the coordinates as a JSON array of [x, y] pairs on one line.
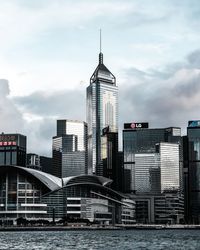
[[138, 139], [62, 145], [102, 111], [146, 176], [153, 172], [169, 167], [70, 156], [193, 134], [157, 173], [74, 127]]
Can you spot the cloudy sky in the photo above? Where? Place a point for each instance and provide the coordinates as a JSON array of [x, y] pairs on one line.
[[49, 49]]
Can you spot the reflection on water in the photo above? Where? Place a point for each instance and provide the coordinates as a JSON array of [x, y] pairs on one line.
[[106, 240]]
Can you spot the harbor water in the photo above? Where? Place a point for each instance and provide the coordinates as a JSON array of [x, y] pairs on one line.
[[106, 240]]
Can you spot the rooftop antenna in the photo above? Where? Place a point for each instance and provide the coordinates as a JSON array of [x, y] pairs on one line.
[[100, 40], [100, 54]]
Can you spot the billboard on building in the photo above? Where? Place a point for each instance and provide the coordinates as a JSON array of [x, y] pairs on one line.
[[136, 125], [194, 123], [8, 140]]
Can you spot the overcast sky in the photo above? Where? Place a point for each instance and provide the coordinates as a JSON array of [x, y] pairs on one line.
[[49, 49]]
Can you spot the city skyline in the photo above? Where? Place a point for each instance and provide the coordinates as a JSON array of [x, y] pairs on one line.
[[154, 55]]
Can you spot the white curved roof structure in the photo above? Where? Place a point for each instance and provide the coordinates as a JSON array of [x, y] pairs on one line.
[[52, 182], [88, 178]]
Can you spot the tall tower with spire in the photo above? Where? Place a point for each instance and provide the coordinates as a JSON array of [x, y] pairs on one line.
[[102, 112]]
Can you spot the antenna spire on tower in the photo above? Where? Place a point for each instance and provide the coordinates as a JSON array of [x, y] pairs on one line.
[[100, 54], [100, 40]]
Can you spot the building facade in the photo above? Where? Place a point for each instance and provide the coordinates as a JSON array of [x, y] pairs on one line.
[[109, 157], [33, 195], [70, 154], [102, 111], [74, 127], [13, 149], [153, 172], [138, 139], [39, 162], [21, 190], [33, 161], [193, 173], [89, 197]]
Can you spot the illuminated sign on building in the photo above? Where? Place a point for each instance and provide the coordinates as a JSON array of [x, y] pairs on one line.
[[194, 123], [136, 125], [8, 140]]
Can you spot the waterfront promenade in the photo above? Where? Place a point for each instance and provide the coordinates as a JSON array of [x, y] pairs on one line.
[[97, 227]]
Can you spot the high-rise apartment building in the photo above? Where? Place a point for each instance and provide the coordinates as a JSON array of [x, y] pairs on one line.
[[102, 111]]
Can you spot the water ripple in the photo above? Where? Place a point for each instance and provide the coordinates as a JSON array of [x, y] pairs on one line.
[[106, 240]]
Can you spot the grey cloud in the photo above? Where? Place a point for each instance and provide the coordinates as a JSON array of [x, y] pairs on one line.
[[188, 89], [194, 59], [4, 88], [40, 135], [10, 117], [161, 100], [167, 71], [136, 72], [65, 104]]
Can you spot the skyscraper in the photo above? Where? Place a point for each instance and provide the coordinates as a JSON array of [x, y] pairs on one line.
[[137, 139], [153, 172], [109, 157], [74, 127], [70, 148], [193, 134], [102, 111]]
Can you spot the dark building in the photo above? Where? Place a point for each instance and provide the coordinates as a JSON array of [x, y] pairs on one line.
[[109, 154], [192, 163], [120, 172], [186, 178], [38, 162], [33, 161], [13, 149], [61, 145], [46, 164]]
